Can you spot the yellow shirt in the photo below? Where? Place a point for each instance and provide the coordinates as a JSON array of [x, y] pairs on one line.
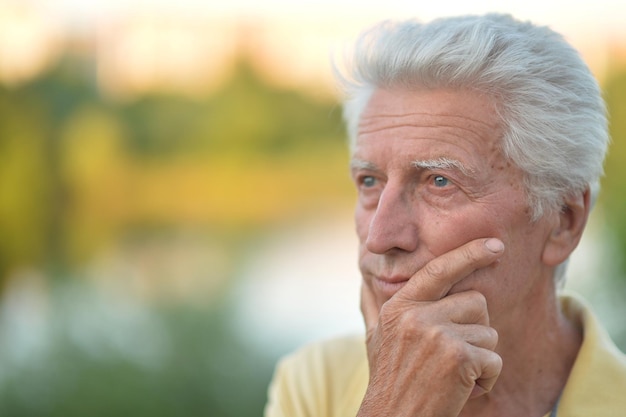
[[328, 379]]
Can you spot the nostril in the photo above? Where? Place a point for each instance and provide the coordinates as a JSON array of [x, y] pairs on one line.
[[391, 236], [390, 226]]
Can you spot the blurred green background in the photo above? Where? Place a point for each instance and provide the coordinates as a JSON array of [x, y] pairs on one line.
[[143, 216]]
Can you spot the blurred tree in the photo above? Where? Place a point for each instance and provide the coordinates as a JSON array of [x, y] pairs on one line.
[[24, 184], [92, 170], [57, 94]]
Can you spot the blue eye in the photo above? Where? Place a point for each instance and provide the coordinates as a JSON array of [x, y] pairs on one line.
[[440, 181], [368, 181]]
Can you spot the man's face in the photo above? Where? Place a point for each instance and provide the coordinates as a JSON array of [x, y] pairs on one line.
[[431, 176]]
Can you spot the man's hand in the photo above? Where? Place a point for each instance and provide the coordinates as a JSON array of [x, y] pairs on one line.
[[429, 352]]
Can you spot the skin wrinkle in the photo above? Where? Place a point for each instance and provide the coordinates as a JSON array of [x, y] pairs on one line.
[[493, 158], [444, 128], [445, 115], [374, 119], [410, 125], [450, 168], [471, 184]]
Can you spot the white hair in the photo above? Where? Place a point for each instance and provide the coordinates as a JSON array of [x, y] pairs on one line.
[[549, 103]]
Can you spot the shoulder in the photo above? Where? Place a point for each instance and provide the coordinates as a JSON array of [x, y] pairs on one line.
[[347, 351], [328, 362], [320, 379], [597, 382]]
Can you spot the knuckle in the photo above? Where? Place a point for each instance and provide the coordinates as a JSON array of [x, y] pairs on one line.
[[407, 322], [437, 335], [478, 298], [393, 317], [497, 361], [435, 269], [457, 358], [493, 335], [491, 338], [470, 372], [387, 311], [470, 254], [409, 327], [459, 353]]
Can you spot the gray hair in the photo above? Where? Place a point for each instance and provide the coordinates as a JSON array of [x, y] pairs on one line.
[[549, 103]]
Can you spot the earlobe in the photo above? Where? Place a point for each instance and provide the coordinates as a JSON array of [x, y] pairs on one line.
[[568, 229]]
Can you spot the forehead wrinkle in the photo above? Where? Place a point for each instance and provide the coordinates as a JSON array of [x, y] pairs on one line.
[[426, 114], [372, 124]]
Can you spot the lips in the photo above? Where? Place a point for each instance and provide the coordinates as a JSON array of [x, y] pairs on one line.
[[389, 286]]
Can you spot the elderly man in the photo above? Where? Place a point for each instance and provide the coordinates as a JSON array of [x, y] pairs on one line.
[[477, 146]]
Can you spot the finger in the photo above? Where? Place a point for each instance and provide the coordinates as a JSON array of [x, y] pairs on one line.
[[490, 370], [369, 308], [434, 280], [476, 335], [467, 307]]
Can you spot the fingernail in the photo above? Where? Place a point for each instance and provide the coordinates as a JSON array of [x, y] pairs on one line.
[[494, 245]]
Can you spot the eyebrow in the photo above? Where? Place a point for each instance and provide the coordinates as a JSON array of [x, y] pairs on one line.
[[445, 164], [361, 164], [442, 163]]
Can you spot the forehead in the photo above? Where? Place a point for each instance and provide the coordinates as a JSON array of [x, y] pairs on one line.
[[431, 123], [466, 103]]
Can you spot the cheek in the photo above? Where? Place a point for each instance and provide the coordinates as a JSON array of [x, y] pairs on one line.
[[451, 230], [362, 220]]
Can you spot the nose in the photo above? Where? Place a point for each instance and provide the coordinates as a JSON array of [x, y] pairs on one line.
[[393, 225]]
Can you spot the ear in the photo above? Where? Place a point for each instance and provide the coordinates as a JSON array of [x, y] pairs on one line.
[[568, 228]]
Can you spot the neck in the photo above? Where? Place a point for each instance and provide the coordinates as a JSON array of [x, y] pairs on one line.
[[537, 360]]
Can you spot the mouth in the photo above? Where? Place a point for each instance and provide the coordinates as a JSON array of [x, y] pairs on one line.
[[388, 286]]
